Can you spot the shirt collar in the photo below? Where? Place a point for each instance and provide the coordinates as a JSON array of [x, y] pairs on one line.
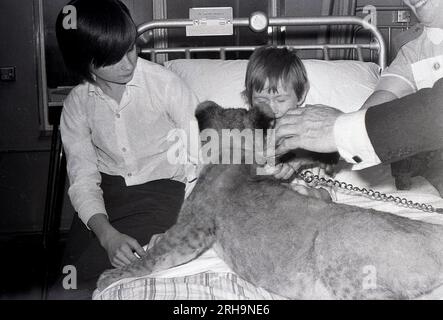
[[136, 81], [92, 88], [435, 35]]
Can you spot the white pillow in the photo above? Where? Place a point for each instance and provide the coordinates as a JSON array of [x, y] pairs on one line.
[[221, 81], [341, 84]]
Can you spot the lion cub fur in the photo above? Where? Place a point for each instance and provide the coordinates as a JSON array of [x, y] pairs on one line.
[[296, 246]]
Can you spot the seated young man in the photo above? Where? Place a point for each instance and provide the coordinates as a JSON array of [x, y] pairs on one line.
[[114, 126]]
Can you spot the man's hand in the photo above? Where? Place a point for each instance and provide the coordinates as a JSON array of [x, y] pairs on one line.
[[310, 128]]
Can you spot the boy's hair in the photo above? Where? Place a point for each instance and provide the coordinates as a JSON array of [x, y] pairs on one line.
[[105, 33], [275, 64]]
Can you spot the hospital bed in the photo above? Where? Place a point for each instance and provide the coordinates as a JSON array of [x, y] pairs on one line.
[[337, 83]]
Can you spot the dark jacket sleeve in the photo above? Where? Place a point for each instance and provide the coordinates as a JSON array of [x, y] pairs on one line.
[[404, 127]]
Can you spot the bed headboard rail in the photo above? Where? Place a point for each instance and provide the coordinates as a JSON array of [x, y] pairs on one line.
[[378, 45], [390, 26]]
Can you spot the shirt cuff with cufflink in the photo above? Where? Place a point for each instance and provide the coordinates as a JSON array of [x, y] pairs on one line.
[[353, 142]]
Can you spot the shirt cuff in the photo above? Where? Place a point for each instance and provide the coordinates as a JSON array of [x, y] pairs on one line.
[[89, 209], [353, 142]]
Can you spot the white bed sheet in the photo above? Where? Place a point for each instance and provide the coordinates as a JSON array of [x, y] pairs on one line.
[[379, 178]]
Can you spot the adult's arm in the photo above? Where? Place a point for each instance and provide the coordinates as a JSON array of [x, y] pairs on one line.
[[397, 80], [379, 97], [383, 133], [404, 127]]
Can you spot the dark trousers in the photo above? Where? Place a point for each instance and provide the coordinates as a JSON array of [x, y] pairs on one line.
[[138, 211]]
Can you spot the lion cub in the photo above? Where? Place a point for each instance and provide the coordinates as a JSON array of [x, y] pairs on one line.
[[296, 246]]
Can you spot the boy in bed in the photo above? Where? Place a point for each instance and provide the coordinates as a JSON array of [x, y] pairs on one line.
[[276, 78], [418, 65], [114, 128]]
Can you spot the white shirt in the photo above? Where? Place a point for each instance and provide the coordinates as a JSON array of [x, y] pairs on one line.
[[129, 139], [418, 65]]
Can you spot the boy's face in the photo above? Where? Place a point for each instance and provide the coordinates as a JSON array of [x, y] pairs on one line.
[[280, 102], [428, 12], [120, 72]]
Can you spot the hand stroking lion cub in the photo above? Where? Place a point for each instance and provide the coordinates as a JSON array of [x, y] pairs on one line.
[[297, 246]]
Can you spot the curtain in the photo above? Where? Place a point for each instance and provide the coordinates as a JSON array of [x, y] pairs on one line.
[[160, 11], [338, 34]]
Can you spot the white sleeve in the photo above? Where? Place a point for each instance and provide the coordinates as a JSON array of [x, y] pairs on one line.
[[353, 142], [398, 78], [85, 192]]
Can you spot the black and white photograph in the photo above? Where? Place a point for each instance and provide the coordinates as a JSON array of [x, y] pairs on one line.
[[252, 152]]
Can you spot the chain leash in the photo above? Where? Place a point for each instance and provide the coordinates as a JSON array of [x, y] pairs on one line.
[[313, 180]]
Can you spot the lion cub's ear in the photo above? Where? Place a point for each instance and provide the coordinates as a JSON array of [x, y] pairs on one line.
[[206, 113], [260, 118]]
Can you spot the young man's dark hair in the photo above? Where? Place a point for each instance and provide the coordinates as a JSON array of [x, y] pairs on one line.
[[275, 64], [99, 39]]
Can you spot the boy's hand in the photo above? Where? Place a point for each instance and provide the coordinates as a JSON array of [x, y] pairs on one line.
[[120, 248], [283, 171], [319, 193]]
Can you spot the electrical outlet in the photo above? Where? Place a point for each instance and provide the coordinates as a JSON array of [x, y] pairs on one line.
[[403, 16], [7, 73]]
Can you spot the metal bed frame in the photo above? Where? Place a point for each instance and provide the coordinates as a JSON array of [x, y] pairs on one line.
[[378, 46], [387, 28]]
